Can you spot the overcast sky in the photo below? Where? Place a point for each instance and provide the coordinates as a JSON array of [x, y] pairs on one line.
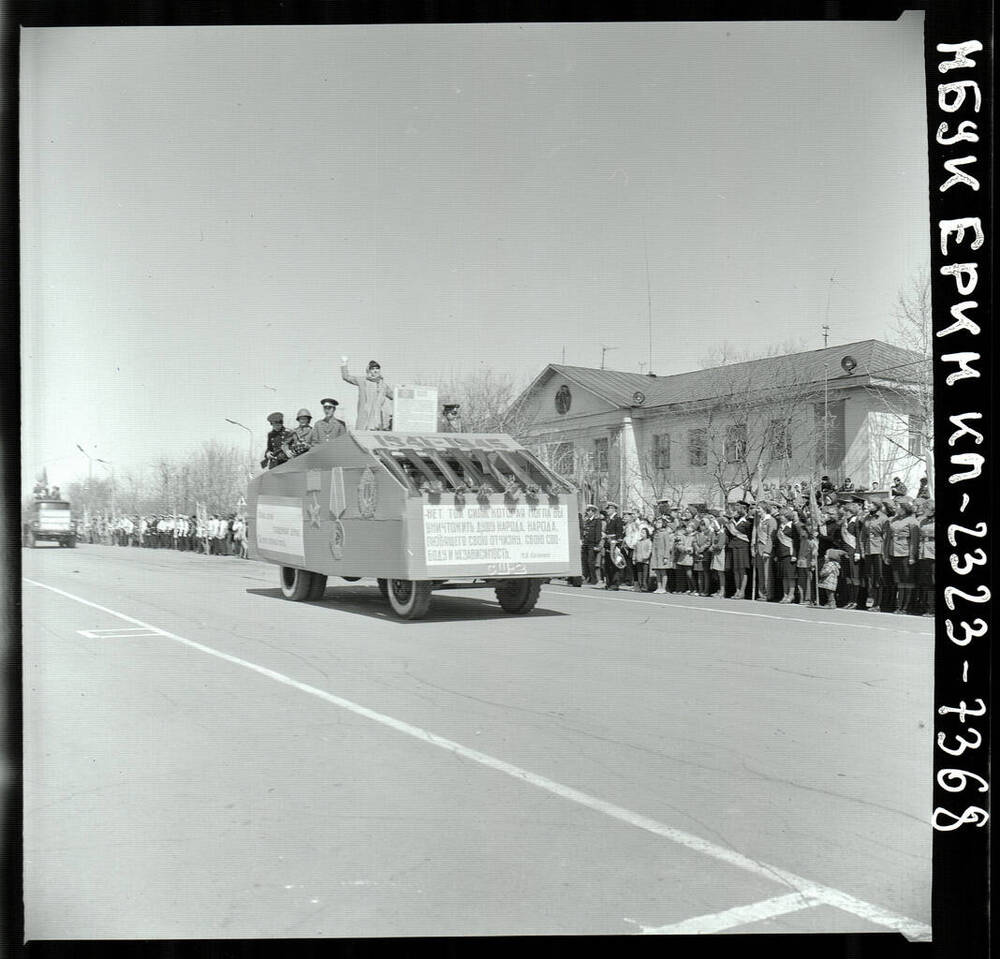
[[212, 216]]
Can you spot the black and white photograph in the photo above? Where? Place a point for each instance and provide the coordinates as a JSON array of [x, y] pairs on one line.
[[362, 364]]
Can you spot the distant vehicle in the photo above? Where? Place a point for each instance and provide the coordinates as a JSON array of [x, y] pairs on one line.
[[418, 512], [49, 520]]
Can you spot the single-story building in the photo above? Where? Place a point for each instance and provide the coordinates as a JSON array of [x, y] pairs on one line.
[[858, 410]]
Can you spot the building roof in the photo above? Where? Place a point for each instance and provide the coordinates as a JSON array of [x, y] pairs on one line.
[[874, 358]]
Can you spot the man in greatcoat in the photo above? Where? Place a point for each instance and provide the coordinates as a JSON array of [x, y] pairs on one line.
[[373, 391]]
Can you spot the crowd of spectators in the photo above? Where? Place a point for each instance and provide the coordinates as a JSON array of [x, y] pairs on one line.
[[215, 535], [848, 552]]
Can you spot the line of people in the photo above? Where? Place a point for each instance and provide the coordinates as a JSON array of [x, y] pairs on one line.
[[216, 535], [875, 556]]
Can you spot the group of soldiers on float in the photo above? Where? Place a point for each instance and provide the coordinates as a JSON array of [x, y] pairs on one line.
[[374, 413]]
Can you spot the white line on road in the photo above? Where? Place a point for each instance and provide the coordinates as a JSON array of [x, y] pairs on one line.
[[738, 916], [912, 929], [576, 594]]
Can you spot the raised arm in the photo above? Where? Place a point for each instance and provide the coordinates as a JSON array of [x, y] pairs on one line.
[[346, 373]]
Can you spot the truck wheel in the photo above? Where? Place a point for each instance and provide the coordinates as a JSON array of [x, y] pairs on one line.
[[317, 589], [296, 583], [575, 581], [72, 542], [383, 588], [31, 540], [520, 596], [409, 598]]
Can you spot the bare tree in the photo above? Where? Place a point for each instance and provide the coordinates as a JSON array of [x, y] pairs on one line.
[[488, 401], [758, 426], [905, 396]]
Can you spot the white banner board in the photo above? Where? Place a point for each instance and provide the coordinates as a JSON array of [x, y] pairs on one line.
[[279, 525], [414, 409], [487, 534]]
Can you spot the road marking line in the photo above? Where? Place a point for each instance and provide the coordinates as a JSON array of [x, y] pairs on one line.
[[912, 929], [126, 632], [739, 612], [738, 916]]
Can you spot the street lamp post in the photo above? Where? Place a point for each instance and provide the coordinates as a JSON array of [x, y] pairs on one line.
[[114, 510], [250, 447], [90, 478]]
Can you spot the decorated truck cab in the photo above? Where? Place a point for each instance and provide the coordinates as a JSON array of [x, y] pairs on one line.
[[417, 512]]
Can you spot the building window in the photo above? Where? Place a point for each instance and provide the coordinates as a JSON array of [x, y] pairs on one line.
[[601, 454], [661, 451], [561, 458], [698, 447], [736, 443], [916, 435], [779, 440]]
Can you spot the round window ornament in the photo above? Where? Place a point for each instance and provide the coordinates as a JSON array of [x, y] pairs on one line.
[[564, 399], [638, 398]]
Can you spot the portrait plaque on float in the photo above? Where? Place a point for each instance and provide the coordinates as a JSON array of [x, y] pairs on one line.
[[414, 410]]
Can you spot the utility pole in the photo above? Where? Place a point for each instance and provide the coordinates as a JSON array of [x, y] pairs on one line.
[[604, 350], [250, 448]]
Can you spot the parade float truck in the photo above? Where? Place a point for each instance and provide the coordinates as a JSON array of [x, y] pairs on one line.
[[48, 519], [417, 512]]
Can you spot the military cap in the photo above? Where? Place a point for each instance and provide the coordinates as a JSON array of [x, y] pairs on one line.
[[303, 412], [448, 407], [326, 400], [374, 365], [276, 418], [589, 507], [609, 504]]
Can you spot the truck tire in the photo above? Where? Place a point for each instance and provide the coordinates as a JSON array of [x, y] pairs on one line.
[[31, 544], [71, 542], [409, 598], [519, 596], [317, 589], [295, 583], [383, 588], [575, 581]]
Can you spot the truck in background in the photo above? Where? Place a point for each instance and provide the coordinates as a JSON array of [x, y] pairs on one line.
[[48, 520]]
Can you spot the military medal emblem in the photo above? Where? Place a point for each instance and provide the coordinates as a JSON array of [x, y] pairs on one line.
[[367, 493], [337, 540]]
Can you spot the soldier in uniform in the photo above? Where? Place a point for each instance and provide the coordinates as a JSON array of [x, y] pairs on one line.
[[328, 428], [301, 439], [274, 455], [614, 532], [372, 394], [451, 420], [590, 544]]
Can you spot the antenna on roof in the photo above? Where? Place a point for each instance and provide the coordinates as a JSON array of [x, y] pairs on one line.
[[649, 295], [606, 349]]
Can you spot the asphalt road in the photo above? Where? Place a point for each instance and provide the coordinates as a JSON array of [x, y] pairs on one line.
[[204, 759]]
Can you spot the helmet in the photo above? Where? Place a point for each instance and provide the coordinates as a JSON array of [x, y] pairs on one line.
[[303, 412]]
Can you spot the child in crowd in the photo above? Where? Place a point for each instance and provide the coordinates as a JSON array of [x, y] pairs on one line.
[[806, 563], [663, 553], [684, 553], [640, 559], [828, 577], [700, 548]]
